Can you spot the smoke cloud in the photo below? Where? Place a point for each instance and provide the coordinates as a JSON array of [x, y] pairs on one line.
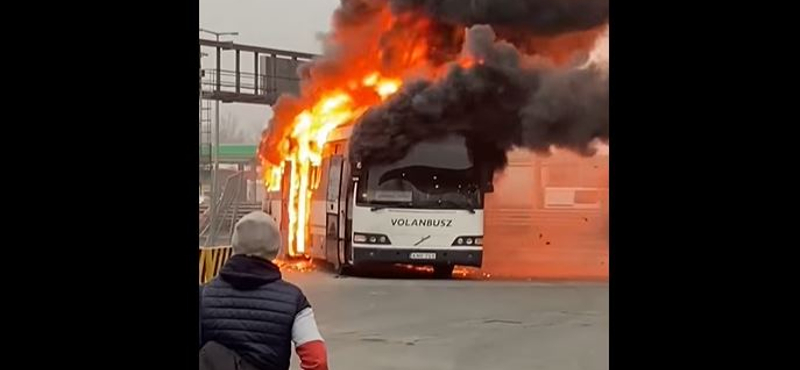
[[541, 17], [523, 91], [504, 102]]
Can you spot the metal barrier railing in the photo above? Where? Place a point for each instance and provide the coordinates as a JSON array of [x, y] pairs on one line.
[[243, 82], [230, 194], [211, 261]]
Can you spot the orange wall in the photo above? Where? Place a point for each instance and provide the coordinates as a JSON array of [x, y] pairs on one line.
[[526, 238]]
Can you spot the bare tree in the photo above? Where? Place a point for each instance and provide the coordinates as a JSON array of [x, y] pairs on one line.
[[232, 132], [229, 131]]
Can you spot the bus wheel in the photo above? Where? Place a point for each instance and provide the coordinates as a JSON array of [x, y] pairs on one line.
[[443, 271], [344, 269]]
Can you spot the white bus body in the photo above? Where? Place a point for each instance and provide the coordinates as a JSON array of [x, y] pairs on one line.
[[426, 209]]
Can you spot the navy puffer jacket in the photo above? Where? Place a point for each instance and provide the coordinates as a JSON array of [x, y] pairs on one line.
[[250, 310]]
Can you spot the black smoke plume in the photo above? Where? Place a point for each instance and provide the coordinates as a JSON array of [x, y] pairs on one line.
[[502, 103], [542, 17]]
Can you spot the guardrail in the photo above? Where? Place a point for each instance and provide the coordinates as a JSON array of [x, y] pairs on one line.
[[210, 224], [211, 261]]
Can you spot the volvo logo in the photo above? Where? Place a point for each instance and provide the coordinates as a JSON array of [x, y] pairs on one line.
[[424, 238]]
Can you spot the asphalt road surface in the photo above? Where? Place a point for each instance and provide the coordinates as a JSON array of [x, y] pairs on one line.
[[415, 322]]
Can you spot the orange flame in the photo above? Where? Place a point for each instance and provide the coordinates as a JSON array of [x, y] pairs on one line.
[[272, 177], [378, 55], [310, 133], [303, 265]]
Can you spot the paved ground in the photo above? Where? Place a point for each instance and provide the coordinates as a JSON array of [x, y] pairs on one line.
[[421, 323]]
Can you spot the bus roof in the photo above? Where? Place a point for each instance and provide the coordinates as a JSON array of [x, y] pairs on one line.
[[340, 133]]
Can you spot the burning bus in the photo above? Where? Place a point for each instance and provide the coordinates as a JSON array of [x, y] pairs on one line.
[[425, 208], [366, 162]]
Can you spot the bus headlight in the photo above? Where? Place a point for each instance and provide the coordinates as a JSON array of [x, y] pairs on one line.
[[468, 240], [371, 238]]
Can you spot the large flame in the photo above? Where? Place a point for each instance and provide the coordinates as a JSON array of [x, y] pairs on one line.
[[338, 99], [308, 137]]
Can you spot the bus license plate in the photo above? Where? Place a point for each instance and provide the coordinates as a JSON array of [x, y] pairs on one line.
[[422, 256]]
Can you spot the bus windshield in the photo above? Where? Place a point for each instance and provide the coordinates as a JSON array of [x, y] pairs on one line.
[[433, 175]]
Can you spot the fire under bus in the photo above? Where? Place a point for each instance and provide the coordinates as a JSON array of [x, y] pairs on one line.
[[424, 209]]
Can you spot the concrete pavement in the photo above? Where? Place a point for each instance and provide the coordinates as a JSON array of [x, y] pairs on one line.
[[419, 323]]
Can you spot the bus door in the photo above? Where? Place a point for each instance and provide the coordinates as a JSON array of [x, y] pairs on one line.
[[332, 207], [283, 204], [346, 215]]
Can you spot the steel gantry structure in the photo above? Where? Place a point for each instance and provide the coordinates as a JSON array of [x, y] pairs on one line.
[[272, 72]]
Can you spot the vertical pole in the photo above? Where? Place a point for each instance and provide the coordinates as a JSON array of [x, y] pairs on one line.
[[237, 72], [215, 158], [256, 76], [274, 88], [200, 116]]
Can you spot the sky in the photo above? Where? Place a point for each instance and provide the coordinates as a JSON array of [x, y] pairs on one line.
[[280, 24]]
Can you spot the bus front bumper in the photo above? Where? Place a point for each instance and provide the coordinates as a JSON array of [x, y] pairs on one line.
[[418, 256]]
